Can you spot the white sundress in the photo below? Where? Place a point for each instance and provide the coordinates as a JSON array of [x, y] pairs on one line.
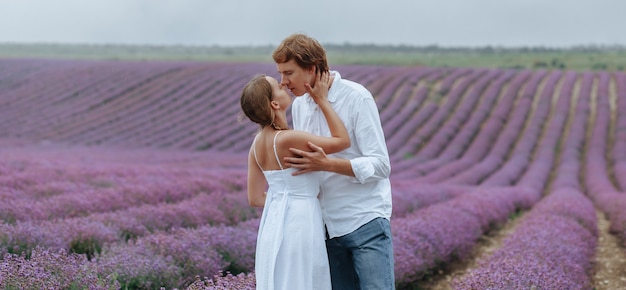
[[290, 250]]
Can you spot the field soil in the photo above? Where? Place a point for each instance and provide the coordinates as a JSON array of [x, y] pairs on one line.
[[610, 261]]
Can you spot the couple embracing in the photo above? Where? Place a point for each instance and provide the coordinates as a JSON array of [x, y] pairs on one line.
[[325, 221]]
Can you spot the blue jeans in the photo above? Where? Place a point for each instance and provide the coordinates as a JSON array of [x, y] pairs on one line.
[[363, 259]]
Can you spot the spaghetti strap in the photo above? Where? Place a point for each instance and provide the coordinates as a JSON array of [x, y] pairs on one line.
[[276, 153], [254, 150]]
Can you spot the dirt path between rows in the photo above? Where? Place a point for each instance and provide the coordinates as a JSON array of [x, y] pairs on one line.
[[486, 245], [610, 260]]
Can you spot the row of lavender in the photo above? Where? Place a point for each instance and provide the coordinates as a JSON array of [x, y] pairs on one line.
[[194, 106], [605, 179], [81, 240], [158, 104], [128, 219], [159, 247], [109, 103], [554, 245], [141, 222], [496, 207]]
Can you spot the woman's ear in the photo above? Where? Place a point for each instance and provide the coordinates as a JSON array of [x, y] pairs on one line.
[[275, 105]]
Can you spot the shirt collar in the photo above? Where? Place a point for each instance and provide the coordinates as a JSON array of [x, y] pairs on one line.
[[331, 97]]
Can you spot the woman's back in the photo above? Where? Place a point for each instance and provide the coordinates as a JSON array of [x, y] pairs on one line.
[[281, 180], [291, 253]]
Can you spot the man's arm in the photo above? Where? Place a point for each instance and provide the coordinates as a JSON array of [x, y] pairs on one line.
[[374, 163], [317, 160]]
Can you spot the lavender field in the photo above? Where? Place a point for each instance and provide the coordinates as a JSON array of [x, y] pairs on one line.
[[131, 174]]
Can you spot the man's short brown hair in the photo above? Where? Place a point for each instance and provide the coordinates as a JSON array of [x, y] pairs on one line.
[[305, 50]]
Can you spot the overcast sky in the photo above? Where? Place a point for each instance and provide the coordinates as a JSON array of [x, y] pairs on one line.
[[553, 23]]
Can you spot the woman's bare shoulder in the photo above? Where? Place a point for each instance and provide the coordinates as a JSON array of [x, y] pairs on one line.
[[295, 135], [296, 138]]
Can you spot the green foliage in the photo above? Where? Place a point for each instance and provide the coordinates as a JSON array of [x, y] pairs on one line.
[[19, 248], [100, 183], [516, 214], [129, 234], [575, 58], [599, 66], [88, 246]]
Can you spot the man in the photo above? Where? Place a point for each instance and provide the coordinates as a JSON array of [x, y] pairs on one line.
[[355, 195]]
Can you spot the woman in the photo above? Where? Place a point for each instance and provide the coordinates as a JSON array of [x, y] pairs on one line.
[[290, 252]]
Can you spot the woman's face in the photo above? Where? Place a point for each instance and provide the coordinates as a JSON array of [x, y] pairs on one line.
[[280, 93]]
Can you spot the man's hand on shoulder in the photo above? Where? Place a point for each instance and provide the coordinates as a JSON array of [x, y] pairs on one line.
[[317, 160], [308, 161]]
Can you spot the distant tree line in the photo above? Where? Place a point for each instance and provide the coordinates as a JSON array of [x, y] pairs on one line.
[[594, 57], [467, 49], [346, 47]]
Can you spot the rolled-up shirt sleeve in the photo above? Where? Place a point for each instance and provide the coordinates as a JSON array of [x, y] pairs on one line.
[[373, 164]]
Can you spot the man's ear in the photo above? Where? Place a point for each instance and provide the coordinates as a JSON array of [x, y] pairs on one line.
[[313, 75]]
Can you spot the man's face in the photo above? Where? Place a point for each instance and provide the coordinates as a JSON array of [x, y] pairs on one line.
[[294, 77]]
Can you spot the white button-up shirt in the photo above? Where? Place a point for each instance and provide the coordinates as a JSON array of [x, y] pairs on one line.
[[350, 202]]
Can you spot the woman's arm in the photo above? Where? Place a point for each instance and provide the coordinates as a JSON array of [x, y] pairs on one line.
[[340, 139], [372, 166], [256, 182]]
